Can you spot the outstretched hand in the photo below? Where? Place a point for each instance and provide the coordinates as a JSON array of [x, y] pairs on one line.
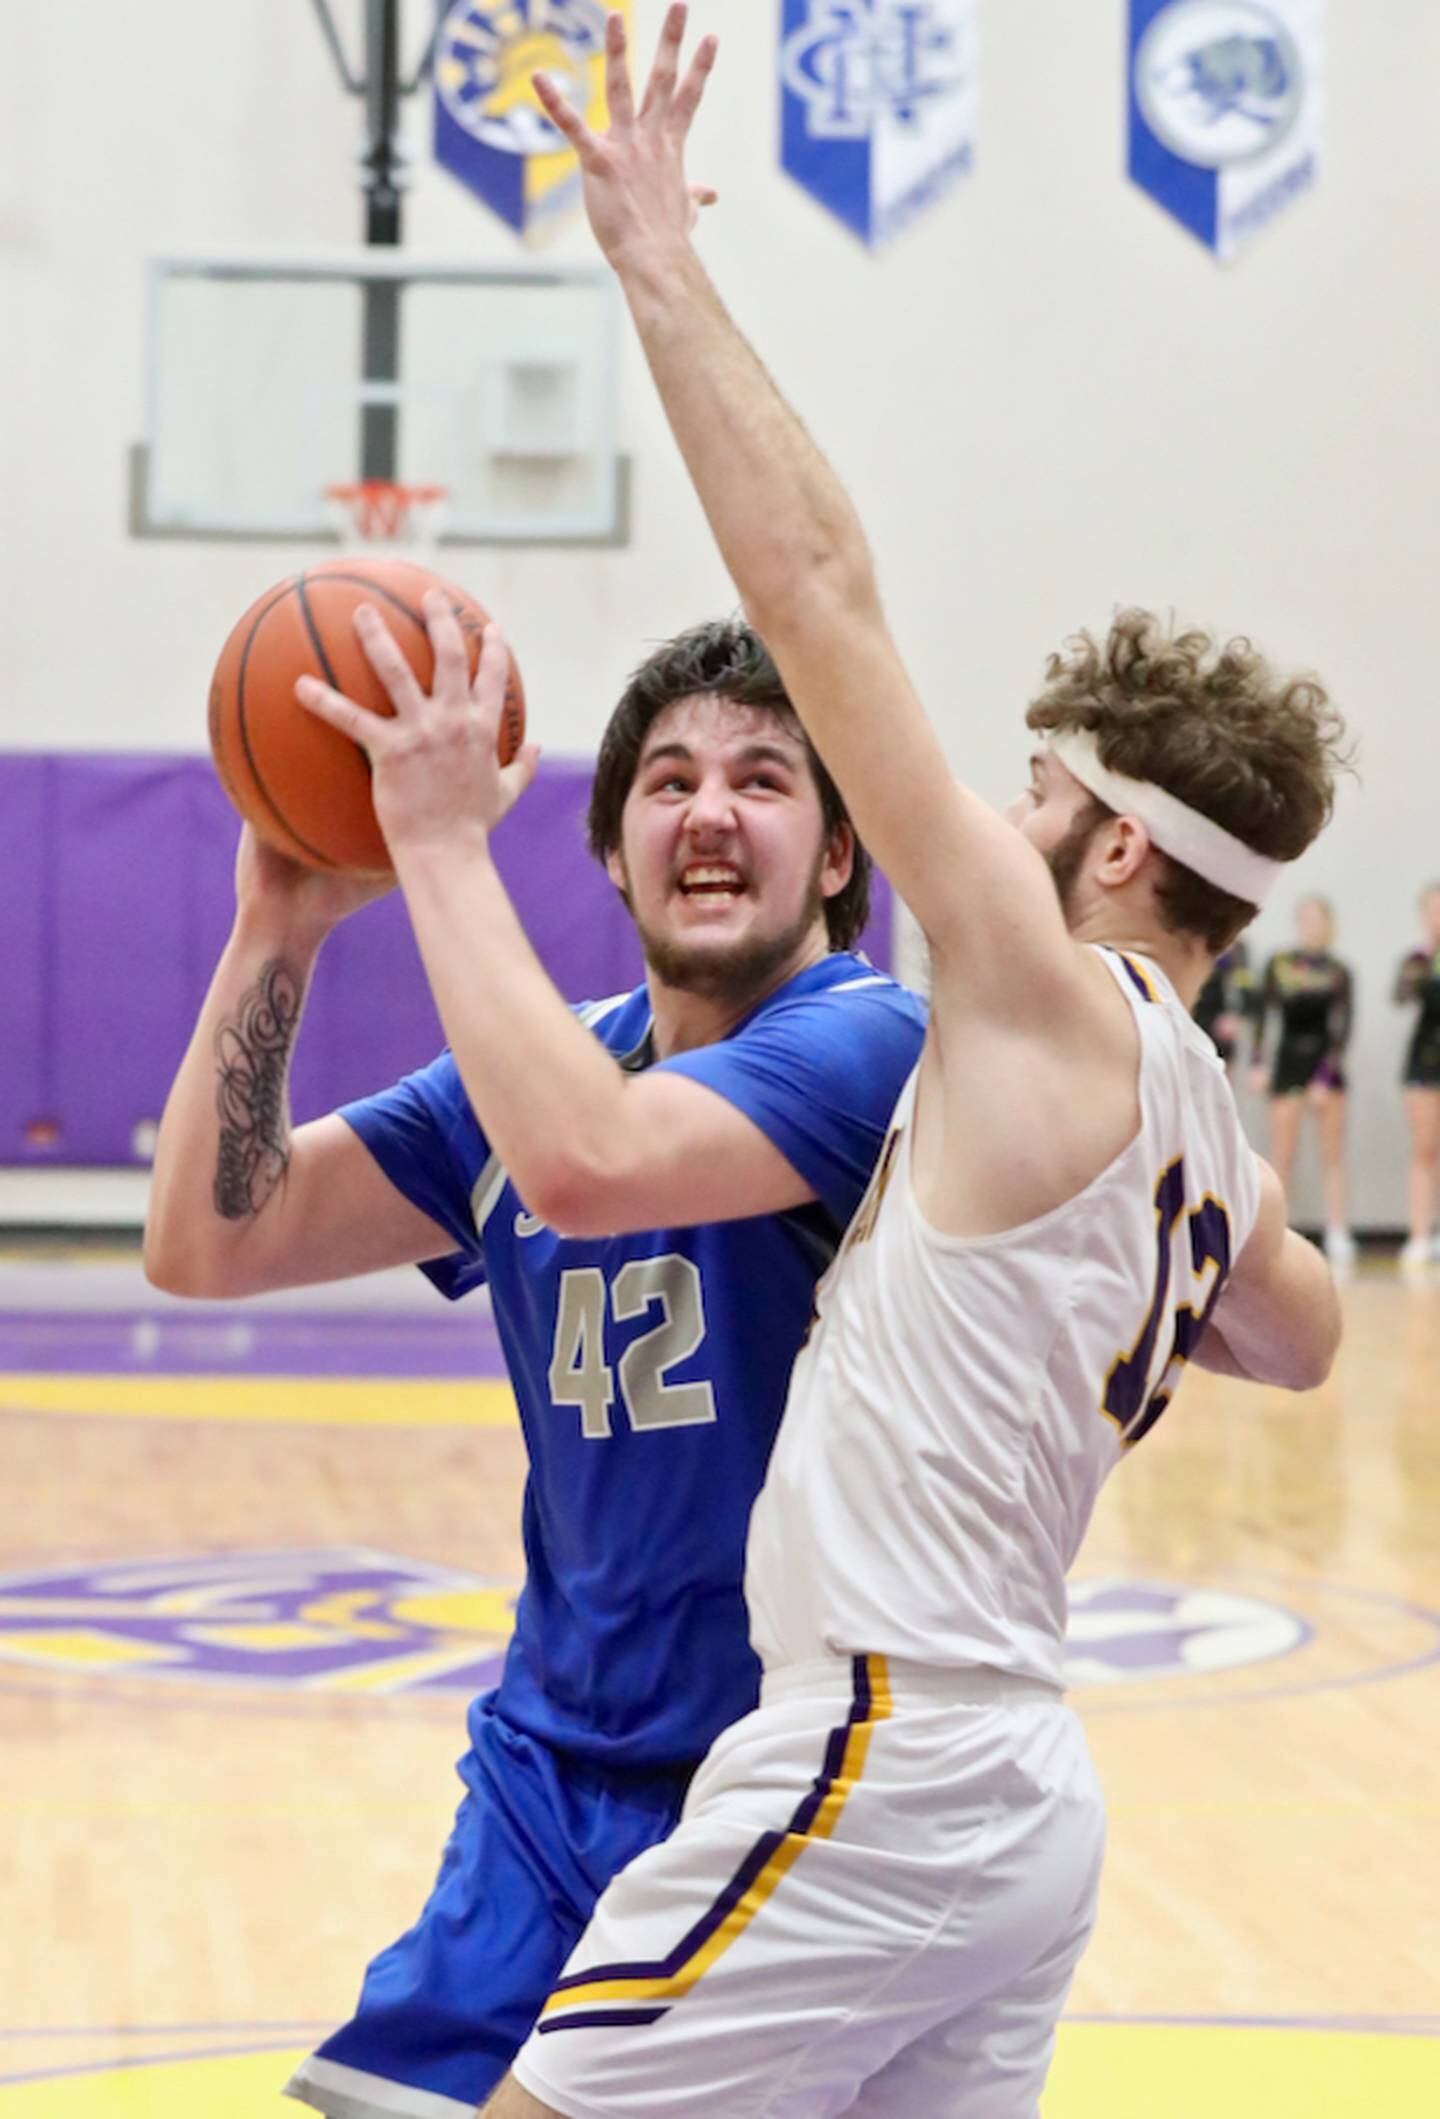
[[437, 778], [634, 174]]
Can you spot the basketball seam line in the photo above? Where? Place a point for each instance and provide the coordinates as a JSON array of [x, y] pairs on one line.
[[261, 789]]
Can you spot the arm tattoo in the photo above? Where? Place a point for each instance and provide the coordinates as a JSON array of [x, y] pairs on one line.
[[253, 1055]]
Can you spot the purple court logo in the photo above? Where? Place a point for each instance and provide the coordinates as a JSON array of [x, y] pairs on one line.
[[352, 1621], [1124, 1632], [348, 1621]]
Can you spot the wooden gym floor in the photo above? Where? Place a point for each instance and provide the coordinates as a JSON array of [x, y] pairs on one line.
[[253, 1560]]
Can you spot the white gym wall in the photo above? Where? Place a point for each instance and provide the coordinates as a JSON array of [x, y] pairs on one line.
[[1047, 399]]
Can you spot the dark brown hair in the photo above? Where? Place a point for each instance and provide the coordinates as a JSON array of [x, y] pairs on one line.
[[1214, 725], [727, 658]]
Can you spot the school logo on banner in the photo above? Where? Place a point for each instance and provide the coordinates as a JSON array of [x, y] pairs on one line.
[[490, 131], [1225, 110], [879, 102]]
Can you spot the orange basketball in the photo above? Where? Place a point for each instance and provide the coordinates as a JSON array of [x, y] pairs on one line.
[[304, 786]]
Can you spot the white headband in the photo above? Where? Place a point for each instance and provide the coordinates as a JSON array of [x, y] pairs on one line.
[[1194, 841]]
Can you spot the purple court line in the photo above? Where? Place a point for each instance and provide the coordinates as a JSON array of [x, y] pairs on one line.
[[217, 1342], [1240, 1576]]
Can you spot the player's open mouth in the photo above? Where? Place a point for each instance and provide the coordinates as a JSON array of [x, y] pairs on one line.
[[713, 880]]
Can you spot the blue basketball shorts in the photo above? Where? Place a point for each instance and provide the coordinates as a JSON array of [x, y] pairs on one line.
[[444, 2010]]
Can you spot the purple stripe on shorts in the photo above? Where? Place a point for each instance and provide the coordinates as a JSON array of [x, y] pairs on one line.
[[805, 1816], [752, 1866], [704, 1928], [601, 2019]]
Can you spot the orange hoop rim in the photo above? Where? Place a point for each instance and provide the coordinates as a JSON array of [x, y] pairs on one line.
[[381, 507]]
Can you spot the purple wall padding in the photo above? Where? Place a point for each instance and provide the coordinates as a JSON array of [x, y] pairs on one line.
[[116, 896], [27, 944]]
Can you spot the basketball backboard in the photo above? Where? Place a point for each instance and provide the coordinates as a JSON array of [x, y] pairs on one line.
[[270, 380]]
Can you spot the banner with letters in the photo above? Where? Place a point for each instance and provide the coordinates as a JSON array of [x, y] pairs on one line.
[[1226, 110], [879, 100], [490, 131]]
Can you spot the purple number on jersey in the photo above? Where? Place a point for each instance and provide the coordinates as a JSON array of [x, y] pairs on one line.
[[1126, 1401]]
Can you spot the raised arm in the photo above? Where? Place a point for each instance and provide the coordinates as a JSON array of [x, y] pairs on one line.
[[795, 549]]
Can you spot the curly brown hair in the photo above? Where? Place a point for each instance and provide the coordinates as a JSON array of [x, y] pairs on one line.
[[1216, 726]]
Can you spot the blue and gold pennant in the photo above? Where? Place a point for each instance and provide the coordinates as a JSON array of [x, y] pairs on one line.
[[490, 131]]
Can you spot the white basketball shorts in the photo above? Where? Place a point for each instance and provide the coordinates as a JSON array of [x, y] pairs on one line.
[[873, 1903]]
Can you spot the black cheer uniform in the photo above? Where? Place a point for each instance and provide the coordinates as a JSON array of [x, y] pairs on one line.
[[1314, 996], [1229, 990], [1419, 980]]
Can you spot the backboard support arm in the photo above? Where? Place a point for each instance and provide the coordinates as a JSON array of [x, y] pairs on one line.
[[383, 177]]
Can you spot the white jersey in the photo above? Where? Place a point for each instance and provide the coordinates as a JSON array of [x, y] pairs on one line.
[[961, 1400]]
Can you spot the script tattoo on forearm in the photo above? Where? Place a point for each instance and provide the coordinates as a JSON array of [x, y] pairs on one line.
[[253, 1055]]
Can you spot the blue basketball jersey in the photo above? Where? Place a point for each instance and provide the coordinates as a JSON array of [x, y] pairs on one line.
[[651, 1370]]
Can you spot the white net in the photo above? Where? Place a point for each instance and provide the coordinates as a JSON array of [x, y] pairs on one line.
[[385, 515]]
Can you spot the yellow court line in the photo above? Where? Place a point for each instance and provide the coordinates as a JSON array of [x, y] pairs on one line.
[[84, 1648], [1160, 2071], [1118, 2071], [311, 1401], [393, 1672], [242, 2086]]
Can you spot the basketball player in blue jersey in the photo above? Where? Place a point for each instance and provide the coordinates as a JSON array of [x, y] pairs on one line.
[[650, 1189], [883, 1878]]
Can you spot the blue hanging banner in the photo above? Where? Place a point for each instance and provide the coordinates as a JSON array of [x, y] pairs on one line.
[[879, 105], [1225, 110], [490, 131]]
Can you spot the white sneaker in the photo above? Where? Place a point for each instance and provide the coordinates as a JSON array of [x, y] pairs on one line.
[[1415, 1257], [1340, 1247]]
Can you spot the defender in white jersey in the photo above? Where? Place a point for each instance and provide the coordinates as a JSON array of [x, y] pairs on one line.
[[883, 1877], [990, 1362]]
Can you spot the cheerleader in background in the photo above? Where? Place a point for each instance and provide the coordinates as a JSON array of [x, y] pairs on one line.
[[1312, 994], [1419, 981], [1225, 999]]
